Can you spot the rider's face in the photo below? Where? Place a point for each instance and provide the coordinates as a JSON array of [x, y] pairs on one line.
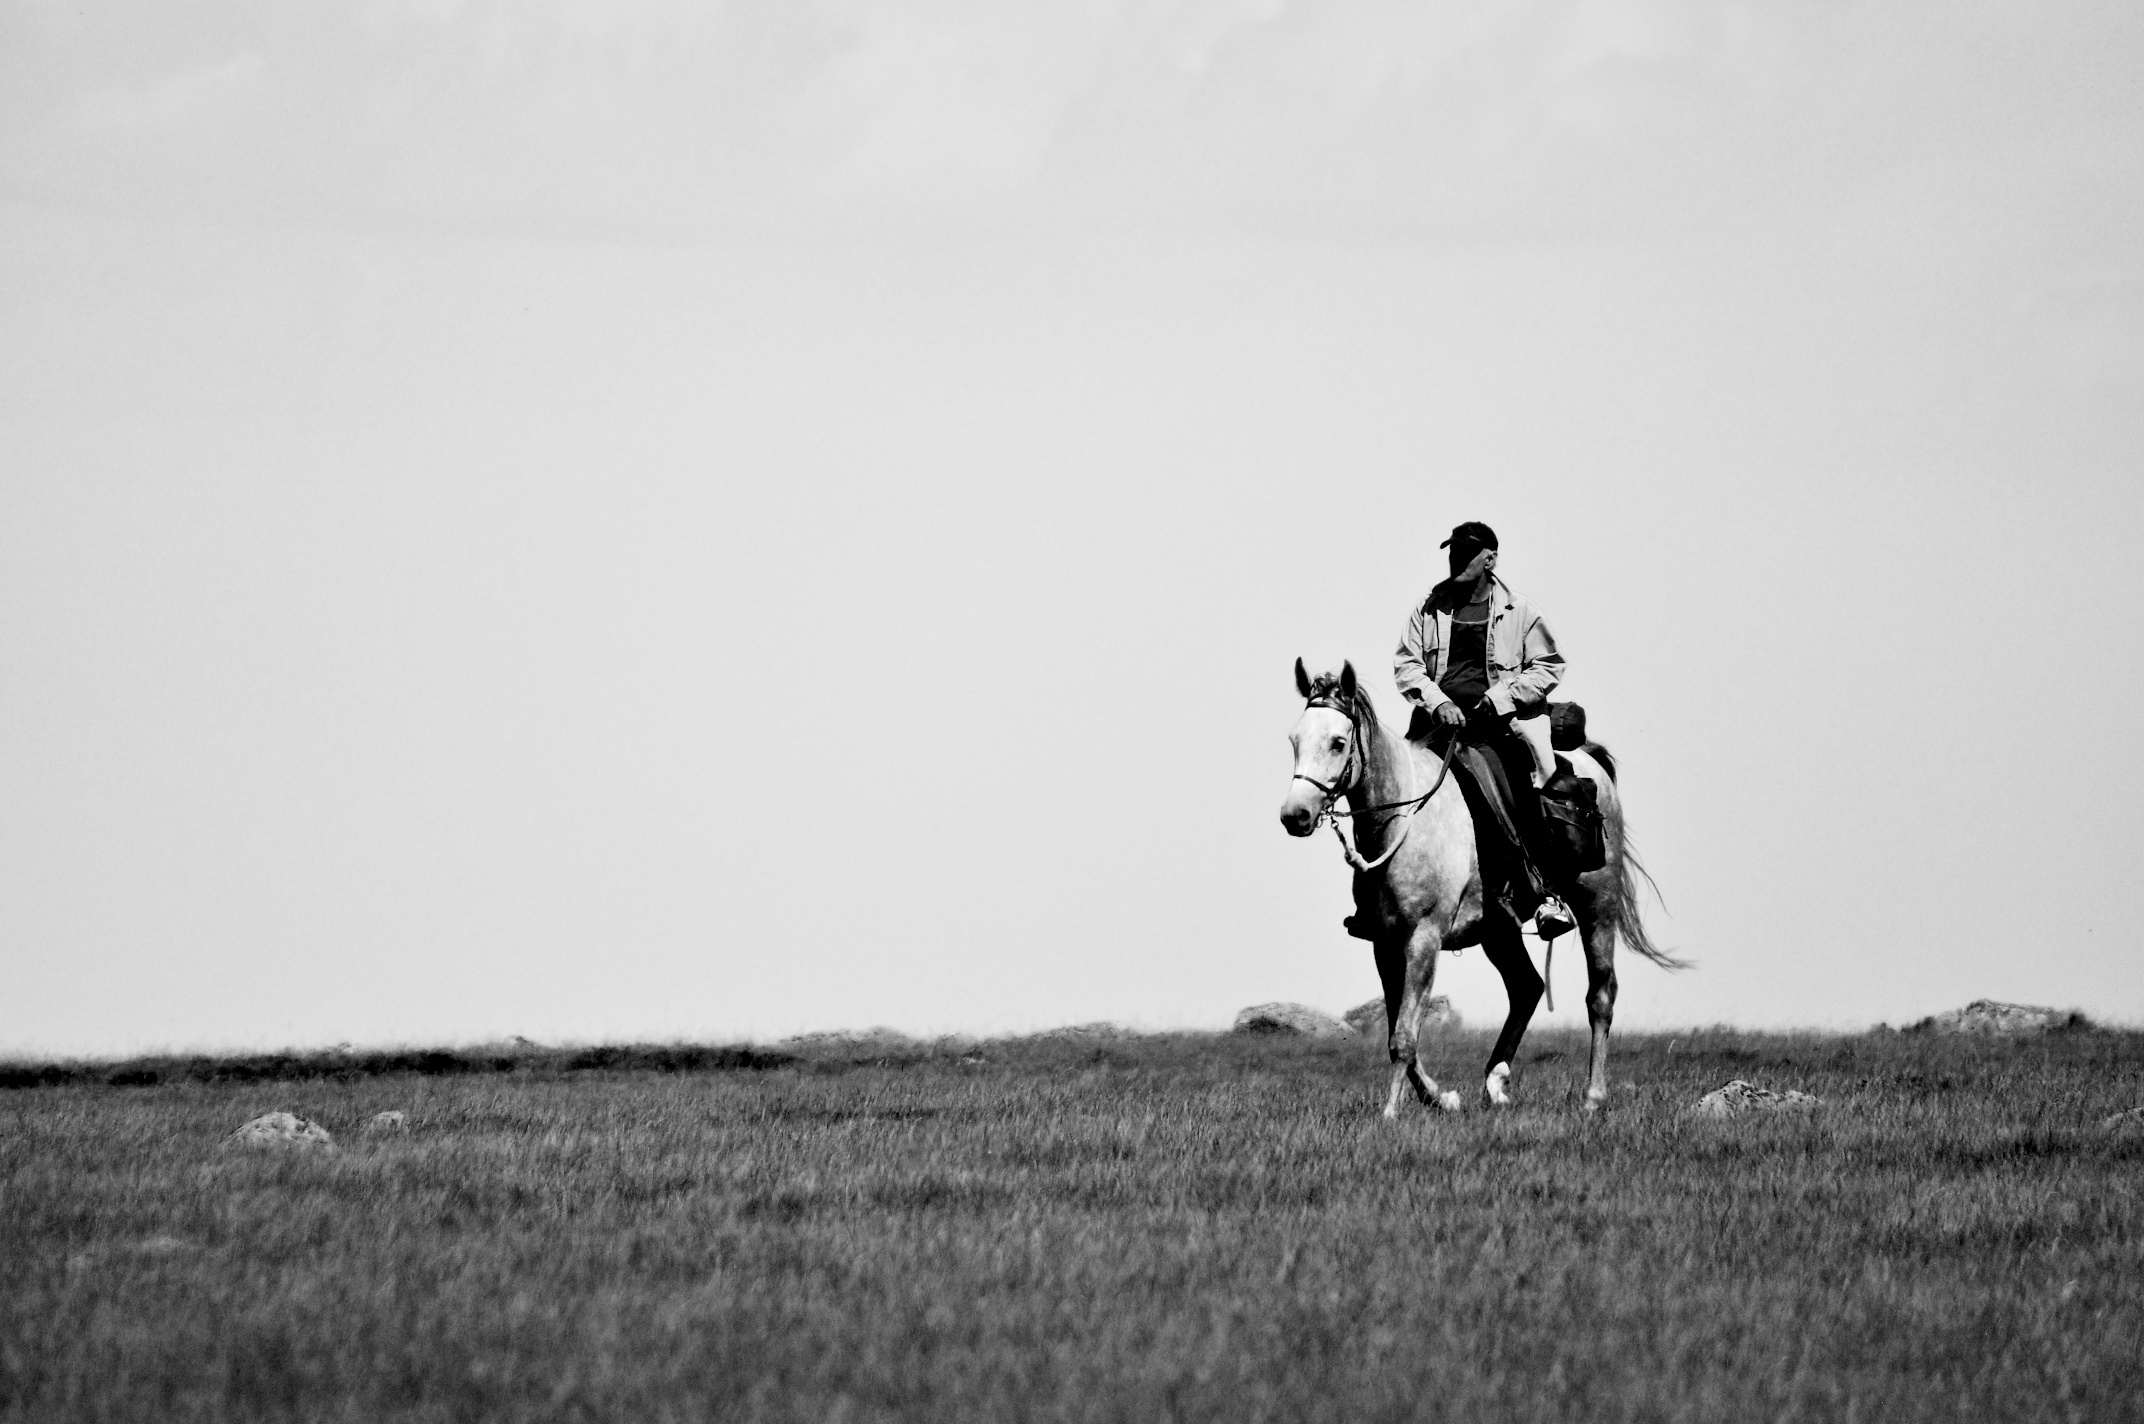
[[1470, 563]]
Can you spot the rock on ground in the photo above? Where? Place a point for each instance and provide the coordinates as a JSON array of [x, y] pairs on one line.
[[279, 1129], [1291, 1018], [2131, 1117], [1987, 1016], [880, 1038], [1368, 1019], [390, 1121], [1741, 1097], [1099, 1032]]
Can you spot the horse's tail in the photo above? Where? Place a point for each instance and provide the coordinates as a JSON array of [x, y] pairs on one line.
[[1629, 868], [1627, 920]]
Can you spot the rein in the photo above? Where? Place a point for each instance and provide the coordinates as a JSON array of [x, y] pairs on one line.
[[1350, 776]]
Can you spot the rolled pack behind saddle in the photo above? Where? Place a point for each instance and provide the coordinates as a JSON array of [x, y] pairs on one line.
[[1570, 804]]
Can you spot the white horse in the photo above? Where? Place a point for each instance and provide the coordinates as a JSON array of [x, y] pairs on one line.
[[1431, 894]]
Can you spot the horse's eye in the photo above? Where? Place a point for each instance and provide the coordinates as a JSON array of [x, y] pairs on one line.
[[1338, 744]]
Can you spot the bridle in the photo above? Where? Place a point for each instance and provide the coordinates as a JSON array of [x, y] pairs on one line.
[[1350, 770], [1350, 776]]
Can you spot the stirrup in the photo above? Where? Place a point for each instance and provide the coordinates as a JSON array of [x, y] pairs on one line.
[[1553, 919]]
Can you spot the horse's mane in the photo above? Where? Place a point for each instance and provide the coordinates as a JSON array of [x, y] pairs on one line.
[[1325, 687]]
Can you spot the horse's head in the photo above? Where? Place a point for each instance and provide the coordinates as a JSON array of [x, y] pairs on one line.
[[1325, 741]]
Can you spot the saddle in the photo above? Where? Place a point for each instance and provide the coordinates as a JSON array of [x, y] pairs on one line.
[[1571, 835]]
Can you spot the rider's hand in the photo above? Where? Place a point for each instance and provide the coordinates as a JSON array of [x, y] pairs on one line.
[[1449, 715], [1488, 709]]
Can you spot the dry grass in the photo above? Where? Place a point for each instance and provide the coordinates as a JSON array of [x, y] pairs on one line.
[[1192, 1228]]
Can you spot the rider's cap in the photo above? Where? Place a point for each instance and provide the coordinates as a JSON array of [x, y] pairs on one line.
[[1472, 532]]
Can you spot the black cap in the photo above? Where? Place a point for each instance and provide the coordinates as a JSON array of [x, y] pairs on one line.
[[1472, 532]]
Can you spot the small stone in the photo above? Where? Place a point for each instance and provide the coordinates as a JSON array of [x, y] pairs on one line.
[[1740, 1097], [393, 1120], [1299, 1020], [2130, 1117], [162, 1246], [282, 1129]]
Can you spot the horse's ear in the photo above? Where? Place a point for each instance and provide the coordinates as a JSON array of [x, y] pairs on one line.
[[1302, 680], [1347, 682]]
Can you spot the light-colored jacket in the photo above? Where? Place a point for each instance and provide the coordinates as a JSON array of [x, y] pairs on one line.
[[1524, 665]]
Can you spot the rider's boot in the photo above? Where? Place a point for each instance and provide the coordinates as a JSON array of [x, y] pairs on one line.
[[1554, 918], [1366, 920], [1527, 890]]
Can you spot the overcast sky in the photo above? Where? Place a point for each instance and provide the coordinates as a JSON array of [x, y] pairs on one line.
[[646, 520]]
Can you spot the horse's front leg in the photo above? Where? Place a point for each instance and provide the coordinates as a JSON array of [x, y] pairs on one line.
[[1599, 939], [1522, 988], [1410, 971], [1392, 975]]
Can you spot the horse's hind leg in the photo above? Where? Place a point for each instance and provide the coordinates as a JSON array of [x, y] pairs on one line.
[[1599, 937], [1522, 986], [1409, 968]]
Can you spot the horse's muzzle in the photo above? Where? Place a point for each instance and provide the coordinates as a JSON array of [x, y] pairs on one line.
[[1297, 819]]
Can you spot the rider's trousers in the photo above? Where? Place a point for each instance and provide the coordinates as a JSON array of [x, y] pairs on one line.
[[1507, 812]]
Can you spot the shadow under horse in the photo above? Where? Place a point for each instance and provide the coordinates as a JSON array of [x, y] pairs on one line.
[[1419, 836]]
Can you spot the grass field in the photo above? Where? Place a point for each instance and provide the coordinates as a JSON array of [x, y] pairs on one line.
[[1150, 1229]]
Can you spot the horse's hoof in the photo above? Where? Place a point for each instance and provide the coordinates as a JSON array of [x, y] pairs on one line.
[[1450, 1102], [1495, 1089], [1596, 1101]]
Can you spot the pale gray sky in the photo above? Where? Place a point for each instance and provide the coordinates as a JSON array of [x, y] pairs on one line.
[[653, 520]]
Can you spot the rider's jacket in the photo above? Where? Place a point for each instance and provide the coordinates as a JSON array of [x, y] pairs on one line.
[[1523, 662]]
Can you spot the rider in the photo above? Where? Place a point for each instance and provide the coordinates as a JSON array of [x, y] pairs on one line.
[[1480, 661]]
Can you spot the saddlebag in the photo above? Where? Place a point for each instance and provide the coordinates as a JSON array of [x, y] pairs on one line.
[[1571, 823]]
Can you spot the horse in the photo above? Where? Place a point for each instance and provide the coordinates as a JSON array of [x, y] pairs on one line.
[[1432, 896]]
